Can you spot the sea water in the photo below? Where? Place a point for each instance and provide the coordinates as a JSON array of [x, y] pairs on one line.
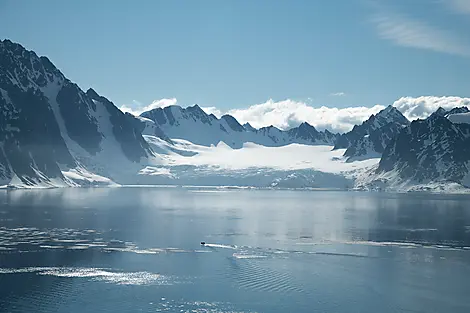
[[139, 250]]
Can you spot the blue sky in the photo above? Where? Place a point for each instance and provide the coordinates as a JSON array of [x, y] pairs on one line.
[[233, 54]]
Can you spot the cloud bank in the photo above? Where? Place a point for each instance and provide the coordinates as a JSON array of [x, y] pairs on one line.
[[422, 107], [290, 113], [137, 108]]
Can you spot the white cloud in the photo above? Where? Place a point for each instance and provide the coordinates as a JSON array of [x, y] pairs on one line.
[[408, 32], [422, 107], [138, 108], [458, 6], [337, 94], [213, 110], [290, 113]]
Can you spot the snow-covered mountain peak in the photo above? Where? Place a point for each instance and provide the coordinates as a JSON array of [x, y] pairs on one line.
[[59, 127]]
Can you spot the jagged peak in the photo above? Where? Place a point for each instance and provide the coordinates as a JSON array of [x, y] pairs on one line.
[[390, 108], [248, 127], [458, 110], [18, 49], [93, 94], [306, 125], [390, 111], [8, 42], [440, 111], [388, 115], [270, 127], [194, 107]]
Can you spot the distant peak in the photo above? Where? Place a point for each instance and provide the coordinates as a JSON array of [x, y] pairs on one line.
[[389, 110], [233, 123], [440, 111], [195, 108], [305, 124], [9, 42], [391, 114], [458, 110], [249, 127], [92, 93]]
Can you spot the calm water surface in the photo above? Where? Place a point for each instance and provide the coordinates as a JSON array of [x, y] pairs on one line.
[[138, 250]]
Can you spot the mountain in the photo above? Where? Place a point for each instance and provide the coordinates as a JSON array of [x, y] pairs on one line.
[[194, 125], [430, 150], [446, 113], [51, 132], [369, 139], [459, 115]]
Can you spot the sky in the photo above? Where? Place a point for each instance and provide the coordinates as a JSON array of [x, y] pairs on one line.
[[292, 59]]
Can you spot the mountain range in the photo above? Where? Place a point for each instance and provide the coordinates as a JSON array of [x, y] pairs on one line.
[[52, 133]]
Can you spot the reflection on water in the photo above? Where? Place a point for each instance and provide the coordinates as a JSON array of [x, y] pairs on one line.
[[138, 249]]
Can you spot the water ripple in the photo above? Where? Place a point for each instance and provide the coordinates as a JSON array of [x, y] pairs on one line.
[[95, 274]]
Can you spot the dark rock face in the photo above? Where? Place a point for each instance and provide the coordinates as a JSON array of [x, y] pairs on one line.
[[196, 113], [371, 137], [125, 131], [233, 123], [81, 126], [32, 143], [434, 149], [140, 126], [307, 132]]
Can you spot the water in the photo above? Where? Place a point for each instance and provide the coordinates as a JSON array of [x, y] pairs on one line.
[[138, 250]]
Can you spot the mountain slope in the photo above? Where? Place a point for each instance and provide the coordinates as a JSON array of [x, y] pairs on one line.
[[431, 150], [49, 126], [371, 137], [194, 125]]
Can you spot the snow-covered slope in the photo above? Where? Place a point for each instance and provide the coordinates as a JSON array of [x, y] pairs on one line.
[[194, 125]]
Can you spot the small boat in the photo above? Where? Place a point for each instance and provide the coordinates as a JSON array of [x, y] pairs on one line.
[[203, 243]]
